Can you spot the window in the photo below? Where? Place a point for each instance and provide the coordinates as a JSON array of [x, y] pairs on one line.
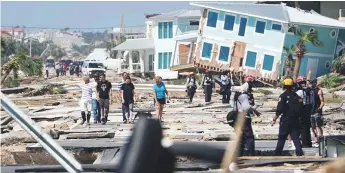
[[164, 59], [224, 53], [194, 22], [333, 33], [327, 65], [206, 50], [251, 59], [260, 27], [229, 22], [277, 27], [268, 62], [165, 30], [212, 18], [151, 59], [243, 25]]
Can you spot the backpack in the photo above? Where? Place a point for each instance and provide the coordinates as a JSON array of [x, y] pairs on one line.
[[194, 82], [308, 95], [208, 79], [232, 115], [295, 104]]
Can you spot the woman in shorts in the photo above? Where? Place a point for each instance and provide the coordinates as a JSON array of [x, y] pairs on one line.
[[160, 94]]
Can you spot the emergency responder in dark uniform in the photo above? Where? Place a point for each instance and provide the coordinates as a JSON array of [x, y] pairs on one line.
[[208, 85], [241, 101], [306, 93], [226, 83], [191, 86], [289, 106]]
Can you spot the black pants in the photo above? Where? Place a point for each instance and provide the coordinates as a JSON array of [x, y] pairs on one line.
[[305, 125], [226, 94], [47, 73], [288, 126], [57, 72], [191, 92], [247, 147], [208, 92]]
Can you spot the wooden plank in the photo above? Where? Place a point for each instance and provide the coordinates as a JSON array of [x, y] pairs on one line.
[[90, 135], [277, 157]]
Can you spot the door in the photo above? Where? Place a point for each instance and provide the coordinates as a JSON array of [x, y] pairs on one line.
[[312, 66], [243, 25], [151, 61]]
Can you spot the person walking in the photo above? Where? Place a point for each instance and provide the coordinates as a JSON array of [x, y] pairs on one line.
[[316, 117], [127, 96], [47, 71], [226, 84], [191, 85], [104, 93], [95, 107], [65, 66], [244, 100], [289, 106], [122, 81], [208, 85], [160, 95], [85, 101], [57, 70], [306, 93]]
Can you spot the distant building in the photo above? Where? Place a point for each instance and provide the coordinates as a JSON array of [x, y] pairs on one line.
[[64, 39], [130, 32], [15, 33], [155, 53]]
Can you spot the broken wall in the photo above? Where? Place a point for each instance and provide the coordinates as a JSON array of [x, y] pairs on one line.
[[183, 50]]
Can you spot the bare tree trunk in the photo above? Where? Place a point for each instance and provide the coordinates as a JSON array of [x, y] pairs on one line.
[[7, 72], [296, 68]]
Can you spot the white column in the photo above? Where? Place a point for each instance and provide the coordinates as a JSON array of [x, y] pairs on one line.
[[190, 52], [119, 55], [130, 62], [142, 62]]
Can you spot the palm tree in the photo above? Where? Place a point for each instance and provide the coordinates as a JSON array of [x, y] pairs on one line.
[[288, 60], [30, 66], [304, 38]]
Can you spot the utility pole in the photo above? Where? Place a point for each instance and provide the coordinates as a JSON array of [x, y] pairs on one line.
[[30, 46]]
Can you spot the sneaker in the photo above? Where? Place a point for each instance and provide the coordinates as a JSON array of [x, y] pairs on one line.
[[125, 121], [103, 121]]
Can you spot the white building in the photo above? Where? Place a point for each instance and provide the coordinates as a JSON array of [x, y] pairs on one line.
[[130, 32], [155, 53]]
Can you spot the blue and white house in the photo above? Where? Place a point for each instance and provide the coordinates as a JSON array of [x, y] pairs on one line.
[[158, 49], [250, 38]]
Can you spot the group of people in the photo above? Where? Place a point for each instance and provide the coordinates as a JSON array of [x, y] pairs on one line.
[[299, 108], [95, 99], [208, 85], [62, 68]]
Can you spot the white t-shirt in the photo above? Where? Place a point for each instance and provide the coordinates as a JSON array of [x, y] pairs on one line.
[[86, 91], [94, 90]]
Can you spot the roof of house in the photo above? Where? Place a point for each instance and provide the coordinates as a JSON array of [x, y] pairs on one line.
[[12, 29], [136, 44], [275, 12], [98, 54], [178, 14]]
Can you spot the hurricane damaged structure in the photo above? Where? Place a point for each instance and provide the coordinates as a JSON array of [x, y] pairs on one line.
[[249, 38]]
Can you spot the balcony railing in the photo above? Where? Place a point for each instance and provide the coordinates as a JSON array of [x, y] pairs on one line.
[[186, 28]]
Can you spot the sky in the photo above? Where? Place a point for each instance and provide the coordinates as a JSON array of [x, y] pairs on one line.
[[83, 14]]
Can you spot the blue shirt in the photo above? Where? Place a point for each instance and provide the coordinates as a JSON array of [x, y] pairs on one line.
[[160, 90]]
